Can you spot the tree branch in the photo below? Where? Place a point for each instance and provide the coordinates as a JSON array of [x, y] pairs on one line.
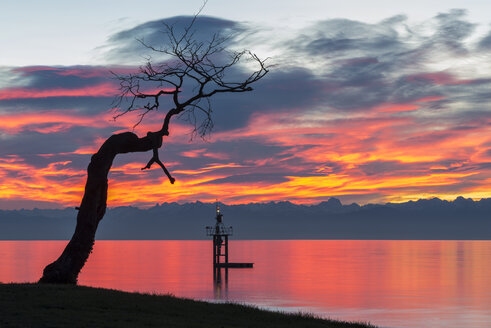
[[155, 159], [202, 66]]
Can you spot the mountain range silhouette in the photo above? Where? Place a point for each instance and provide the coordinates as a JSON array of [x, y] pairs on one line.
[[460, 219]]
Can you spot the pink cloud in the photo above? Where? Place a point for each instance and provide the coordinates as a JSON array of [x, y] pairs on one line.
[[439, 78], [100, 90]]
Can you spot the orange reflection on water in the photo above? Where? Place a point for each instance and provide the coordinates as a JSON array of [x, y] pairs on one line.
[[390, 283]]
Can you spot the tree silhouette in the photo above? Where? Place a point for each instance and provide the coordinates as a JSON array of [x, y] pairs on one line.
[[192, 72]]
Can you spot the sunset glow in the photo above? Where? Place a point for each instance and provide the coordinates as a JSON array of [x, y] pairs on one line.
[[333, 118]]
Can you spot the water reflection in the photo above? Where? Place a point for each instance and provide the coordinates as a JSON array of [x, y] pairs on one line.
[[220, 283], [390, 283]]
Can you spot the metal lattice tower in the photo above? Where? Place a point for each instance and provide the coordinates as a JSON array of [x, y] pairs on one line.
[[220, 235]]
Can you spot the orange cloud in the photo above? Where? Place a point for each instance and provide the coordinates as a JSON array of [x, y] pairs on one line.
[[58, 120], [389, 153], [23, 181]]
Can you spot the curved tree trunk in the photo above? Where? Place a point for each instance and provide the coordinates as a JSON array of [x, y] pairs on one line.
[[93, 207], [193, 62]]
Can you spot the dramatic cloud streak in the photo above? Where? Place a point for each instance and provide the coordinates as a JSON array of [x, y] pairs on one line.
[[364, 112], [102, 90]]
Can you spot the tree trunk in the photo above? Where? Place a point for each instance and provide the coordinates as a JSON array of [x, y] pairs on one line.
[[93, 207]]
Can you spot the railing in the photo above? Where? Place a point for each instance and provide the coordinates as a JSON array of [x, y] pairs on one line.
[[219, 230]]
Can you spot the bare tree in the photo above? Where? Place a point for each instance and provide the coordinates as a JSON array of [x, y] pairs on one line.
[[192, 73]]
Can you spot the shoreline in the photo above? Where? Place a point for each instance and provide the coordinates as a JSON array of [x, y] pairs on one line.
[[46, 305]]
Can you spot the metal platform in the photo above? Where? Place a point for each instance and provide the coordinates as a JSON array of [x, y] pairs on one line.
[[219, 229], [235, 265]]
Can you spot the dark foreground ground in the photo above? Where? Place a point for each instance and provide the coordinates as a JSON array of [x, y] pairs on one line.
[[33, 305]]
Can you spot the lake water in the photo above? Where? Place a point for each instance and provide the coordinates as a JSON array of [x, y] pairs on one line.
[[389, 283]]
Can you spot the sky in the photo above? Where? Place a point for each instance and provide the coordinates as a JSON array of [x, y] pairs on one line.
[[368, 102]]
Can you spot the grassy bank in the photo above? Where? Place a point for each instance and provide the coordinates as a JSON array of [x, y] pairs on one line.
[[33, 305]]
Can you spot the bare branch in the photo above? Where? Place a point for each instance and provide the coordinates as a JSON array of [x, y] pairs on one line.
[[155, 159], [193, 72]]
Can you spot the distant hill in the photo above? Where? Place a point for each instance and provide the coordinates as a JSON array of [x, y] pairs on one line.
[[423, 219]]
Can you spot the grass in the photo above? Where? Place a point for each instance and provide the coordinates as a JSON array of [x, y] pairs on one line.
[[35, 305]]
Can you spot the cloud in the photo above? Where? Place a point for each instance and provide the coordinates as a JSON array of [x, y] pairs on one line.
[[251, 178], [86, 89], [124, 46], [289, 89], [51, 121], [453, 29], [67, 141], [485, 43], [47, 78], [104, 89], [364, 65], [389, 111], [336, 38]]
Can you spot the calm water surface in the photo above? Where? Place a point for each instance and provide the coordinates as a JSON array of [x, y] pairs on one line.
[[389, 283]]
